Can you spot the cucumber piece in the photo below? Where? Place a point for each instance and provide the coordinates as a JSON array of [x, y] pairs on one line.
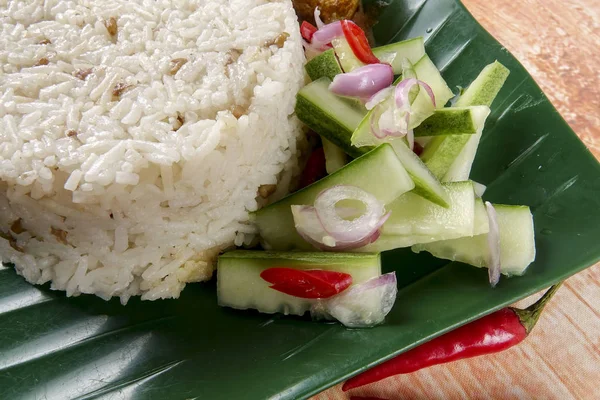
[[426, 184], [479, 188], [329, 115], [415, 220], [344, 53], [240, 286], [449, 121], [481, 224], [327, 65], [481, 92], [378, 172], [484, 89], [323, 65], [517, 243], [428, 73], [441, 152], [411, 49], [335, 158]]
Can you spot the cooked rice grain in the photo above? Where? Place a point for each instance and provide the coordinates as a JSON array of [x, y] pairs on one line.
[[127, 172]]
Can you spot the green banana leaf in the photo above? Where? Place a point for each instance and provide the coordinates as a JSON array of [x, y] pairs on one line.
[[54, 347]]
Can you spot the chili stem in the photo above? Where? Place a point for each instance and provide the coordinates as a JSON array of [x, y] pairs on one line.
[[530, 315]]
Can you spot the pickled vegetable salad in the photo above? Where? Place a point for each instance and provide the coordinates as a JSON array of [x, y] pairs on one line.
[[398, 163]]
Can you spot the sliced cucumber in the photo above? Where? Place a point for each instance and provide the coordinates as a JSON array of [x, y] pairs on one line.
[[441, 152], [378, 172], [428, 73], [323, 65], [415, 220], [240, 286], [329, 115], [517, 243], [426, 184], [335, 158], [481, 224], [479, 188], [449, 121], [484, 89], [411, 49], [344, 53], [481, 92]]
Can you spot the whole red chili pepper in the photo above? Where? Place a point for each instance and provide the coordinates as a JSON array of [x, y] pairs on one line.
[[311, 284], [493, 333], [315, 168]]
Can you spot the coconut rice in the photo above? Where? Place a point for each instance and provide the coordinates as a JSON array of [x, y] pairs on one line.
[[134, 136]]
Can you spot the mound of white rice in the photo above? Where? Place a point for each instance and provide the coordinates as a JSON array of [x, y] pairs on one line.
[[134, 136]]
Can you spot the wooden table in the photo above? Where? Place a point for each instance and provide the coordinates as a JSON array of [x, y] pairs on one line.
[[558, 41]]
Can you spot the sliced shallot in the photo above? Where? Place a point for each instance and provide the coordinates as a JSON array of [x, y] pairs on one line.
[[342, 229], [403, 90], [323, 37], [363, 82], [493, 239], [327, 227], [362, 305], [379, 97], [318, 19]]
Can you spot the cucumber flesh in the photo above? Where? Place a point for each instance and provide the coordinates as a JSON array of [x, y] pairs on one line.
[[517, 243], [240, 286], [481, 92], [335, 158], [441, 152], [411, 49], [378, 172], [416, 220], [345, 55], [428, 73], [479, 188], [426, 184], [481, 223], [329, 115], [323, 65]]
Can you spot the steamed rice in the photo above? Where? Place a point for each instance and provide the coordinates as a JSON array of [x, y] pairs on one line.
[[134, 136]]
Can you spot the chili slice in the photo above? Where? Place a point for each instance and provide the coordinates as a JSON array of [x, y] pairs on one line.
[[315, 168], [493, 333], [358, 42], [311, 284], [307, 30]]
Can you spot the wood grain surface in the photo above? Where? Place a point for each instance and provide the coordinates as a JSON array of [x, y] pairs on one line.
[[558, 41]]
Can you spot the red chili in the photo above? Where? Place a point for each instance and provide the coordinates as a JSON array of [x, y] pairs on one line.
[[490, 334], [311, 284], [358, 42], [315, 168], [307, 30], [417, 148]]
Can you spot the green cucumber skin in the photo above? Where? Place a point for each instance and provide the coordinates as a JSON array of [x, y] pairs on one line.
[[412, 49], [442, 145], [317, 119], [275, 222], [323, 65], [484, 95], [240, 286], [447, 121]]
